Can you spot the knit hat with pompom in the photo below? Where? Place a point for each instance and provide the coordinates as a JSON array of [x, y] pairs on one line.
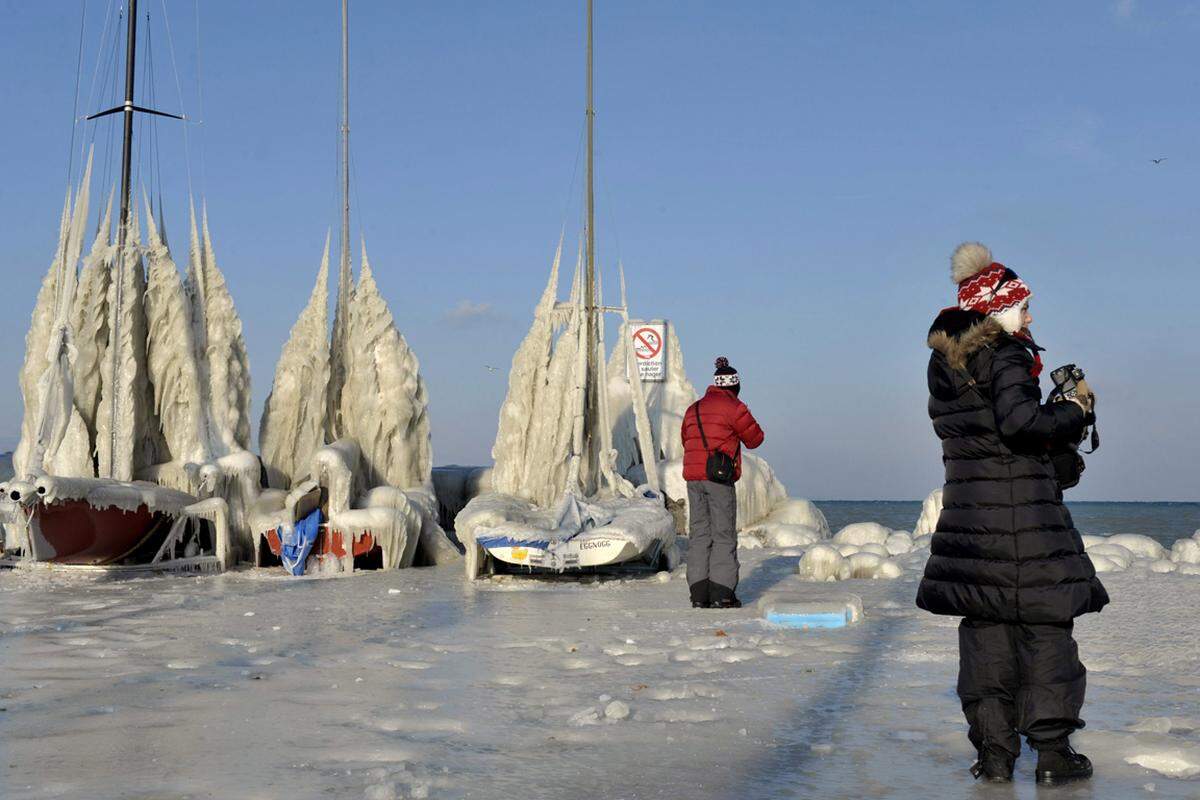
[[988, 287], [725, 375]]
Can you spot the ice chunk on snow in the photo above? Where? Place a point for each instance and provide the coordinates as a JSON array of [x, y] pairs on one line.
[[861, 533], [803, 612], [898, 543], [821, 562], [1185, 551], [1162, 566], [1141, 546], [776, 534], [1114, 553]]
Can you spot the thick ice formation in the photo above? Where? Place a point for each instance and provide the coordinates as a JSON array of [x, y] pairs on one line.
[[224, 364], [533, 444], [931, 509], [293, 421], [384, 402], [378, 475], [53, 435], [175, 413], [132, 445], [89, 320], [170, 354], [558, 500]]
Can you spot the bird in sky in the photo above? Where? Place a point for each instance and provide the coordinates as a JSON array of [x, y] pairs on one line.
[[1158, 160], [490, 368]]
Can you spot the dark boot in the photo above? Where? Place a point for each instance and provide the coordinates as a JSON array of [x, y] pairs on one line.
[[722, 597], [994, 765], [699, 592], [1062, 765]]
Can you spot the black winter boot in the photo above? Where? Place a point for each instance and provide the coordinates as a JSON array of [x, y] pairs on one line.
[[722, 597], [699, 593], [994, 765], [1062, 765]]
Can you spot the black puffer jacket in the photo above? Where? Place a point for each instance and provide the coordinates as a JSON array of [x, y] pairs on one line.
[[1005, 548]]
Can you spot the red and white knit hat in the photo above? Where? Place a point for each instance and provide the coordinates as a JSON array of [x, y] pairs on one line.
[[988, 287]]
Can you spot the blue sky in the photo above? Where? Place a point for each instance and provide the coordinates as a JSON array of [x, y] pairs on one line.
[[783, 180]]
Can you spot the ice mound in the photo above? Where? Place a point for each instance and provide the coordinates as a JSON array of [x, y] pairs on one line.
[[862, 533], [792, 523], [778, 535], [827, 562], [1125, 551], [1140, 546]]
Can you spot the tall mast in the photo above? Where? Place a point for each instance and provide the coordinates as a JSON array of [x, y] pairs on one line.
[[591, 409], [341, 317], [108, 469], [127, 110], [345, 128]]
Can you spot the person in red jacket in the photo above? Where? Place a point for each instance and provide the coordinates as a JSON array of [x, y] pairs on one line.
[[719, 421]]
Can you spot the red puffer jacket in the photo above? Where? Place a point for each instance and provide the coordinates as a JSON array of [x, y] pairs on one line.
[[728, 424]]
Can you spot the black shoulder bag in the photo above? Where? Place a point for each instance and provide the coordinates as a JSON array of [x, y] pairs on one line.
[[720, 466]]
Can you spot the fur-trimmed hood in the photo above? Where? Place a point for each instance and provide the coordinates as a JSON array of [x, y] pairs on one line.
[[959, 334]]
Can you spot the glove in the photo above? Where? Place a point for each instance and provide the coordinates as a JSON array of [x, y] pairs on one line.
[[1085, 397]]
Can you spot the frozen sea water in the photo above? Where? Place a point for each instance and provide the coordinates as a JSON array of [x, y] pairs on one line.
[[414, 684]]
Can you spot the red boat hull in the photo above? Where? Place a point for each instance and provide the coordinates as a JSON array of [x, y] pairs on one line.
[[328, 544], [73, 532]]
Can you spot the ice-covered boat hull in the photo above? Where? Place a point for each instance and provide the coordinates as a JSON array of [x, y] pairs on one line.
[[591, 552], [73, 532], [508, 532], [79, 523]]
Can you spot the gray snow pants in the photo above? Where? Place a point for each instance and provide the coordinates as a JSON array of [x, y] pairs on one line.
[[712, 562], [1016, 678]]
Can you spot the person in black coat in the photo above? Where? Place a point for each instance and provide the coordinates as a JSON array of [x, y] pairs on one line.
[[1006, 556]]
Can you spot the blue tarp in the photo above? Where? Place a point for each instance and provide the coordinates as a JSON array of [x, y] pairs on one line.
[[298, 542]]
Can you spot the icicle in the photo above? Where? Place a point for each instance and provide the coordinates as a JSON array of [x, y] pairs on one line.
[[293, 420]]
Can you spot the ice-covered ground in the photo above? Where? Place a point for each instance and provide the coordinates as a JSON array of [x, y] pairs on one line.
[[415, 684]]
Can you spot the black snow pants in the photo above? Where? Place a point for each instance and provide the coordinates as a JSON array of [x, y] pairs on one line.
[[1016, 679]]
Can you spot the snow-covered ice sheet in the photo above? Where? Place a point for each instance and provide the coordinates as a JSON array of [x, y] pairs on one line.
[[412, 684]]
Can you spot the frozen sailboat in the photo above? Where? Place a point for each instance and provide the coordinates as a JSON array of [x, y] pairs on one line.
[[556, 502], [345, 433], [135, 387]]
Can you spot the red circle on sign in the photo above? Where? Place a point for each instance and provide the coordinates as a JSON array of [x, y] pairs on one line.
[[649, 339]]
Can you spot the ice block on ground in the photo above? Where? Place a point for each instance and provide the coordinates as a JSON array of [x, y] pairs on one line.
[[806, 613]]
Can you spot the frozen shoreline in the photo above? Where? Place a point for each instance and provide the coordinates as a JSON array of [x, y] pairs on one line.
[[414, 684]]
